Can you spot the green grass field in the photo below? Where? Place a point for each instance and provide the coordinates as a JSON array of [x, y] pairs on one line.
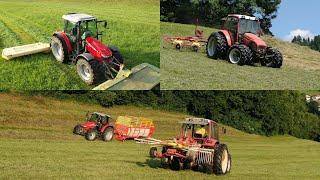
[[133, 27], [189, 70], [36, 142]]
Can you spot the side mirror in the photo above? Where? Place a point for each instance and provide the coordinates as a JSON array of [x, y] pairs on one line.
[[105, 24]]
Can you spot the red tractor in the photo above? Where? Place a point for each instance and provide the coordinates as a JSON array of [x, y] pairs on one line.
[[79, 44], [197, 147], [239, 41], [97, 126]]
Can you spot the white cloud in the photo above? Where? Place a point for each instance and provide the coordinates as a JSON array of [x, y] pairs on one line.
[[303, 33]]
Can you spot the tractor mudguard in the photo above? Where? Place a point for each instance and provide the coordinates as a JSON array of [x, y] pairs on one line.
[[86, 56], [227, 36], [105, 127], [64, 39]]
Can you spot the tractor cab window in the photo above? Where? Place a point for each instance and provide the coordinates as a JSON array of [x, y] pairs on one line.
[[200, 131], [94, 118], [249, 26], [187, 130], [214, 131], [70, 28], [88, 28], [232, 26]]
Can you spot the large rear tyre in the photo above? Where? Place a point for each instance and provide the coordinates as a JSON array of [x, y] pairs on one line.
[[216, 46], [88, 71], [273, 58], [91, 135], [77, 129], [229, 164], [59, 49], [108, 134], [221, 159], [240, 54]]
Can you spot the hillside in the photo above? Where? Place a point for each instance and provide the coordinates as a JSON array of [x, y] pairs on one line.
[[188, 70], [19, 26], [37, 142]]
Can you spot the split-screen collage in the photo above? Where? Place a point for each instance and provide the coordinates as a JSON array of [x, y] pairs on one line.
[[159, 89]]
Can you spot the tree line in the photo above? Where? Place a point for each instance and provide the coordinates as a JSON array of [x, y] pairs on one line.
[[210, 12], [260, 112], [312, 43]]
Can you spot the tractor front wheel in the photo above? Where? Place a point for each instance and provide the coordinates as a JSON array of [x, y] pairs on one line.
[[273, 58], [176, 164], [108, 134], [88, 71], [240, 54], [216, 46], [91, 135], [59, 49], [221, 159]]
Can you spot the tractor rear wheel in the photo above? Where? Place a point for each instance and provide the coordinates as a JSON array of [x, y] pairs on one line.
[[221, 159], [108, 134], [216, 46], [240, 54], [153, 152], [59, 49], [88, 71], [273, 58], [229, 164], [77, 129], [175, 164], [91, 135]]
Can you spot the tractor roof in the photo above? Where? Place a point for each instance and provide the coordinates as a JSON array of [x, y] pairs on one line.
[[199, 121], [243, 17], [75, 17], [101, 114]]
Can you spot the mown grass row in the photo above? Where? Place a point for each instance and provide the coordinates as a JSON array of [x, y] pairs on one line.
[[133, 27], [36, 142], [189, 70]]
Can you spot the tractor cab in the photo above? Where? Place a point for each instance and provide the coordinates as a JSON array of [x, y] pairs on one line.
[[238, 25], [78, 27], [98, 118], [203, 131]]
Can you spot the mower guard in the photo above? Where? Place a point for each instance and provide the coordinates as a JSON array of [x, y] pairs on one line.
[[141, 77], [18, 51]]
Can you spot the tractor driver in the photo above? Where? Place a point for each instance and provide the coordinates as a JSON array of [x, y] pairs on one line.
[[200, 132]]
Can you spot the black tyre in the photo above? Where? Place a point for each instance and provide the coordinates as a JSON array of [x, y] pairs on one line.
[[59, 49], [88, 71], [153, 152], [220, 159], [207, 168], [273, 58], [91, 135], [175, 164], [195, 48], [108, 134], [77, 129], [229, 164], [240, 54], [178, 46], [216, 46], [164, 162]]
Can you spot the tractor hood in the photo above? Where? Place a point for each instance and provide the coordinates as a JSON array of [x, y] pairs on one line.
[[249, 38], [98, 50], [89, 125]]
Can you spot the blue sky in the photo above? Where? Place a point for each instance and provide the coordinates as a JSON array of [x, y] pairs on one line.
[[297, 17]]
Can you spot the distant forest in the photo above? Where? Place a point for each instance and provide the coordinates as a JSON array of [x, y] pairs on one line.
[[312, 43], [260, 112]]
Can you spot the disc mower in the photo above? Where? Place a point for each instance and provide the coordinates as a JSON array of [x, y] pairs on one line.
[[98, 125], [197, 147], [239, 42]]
